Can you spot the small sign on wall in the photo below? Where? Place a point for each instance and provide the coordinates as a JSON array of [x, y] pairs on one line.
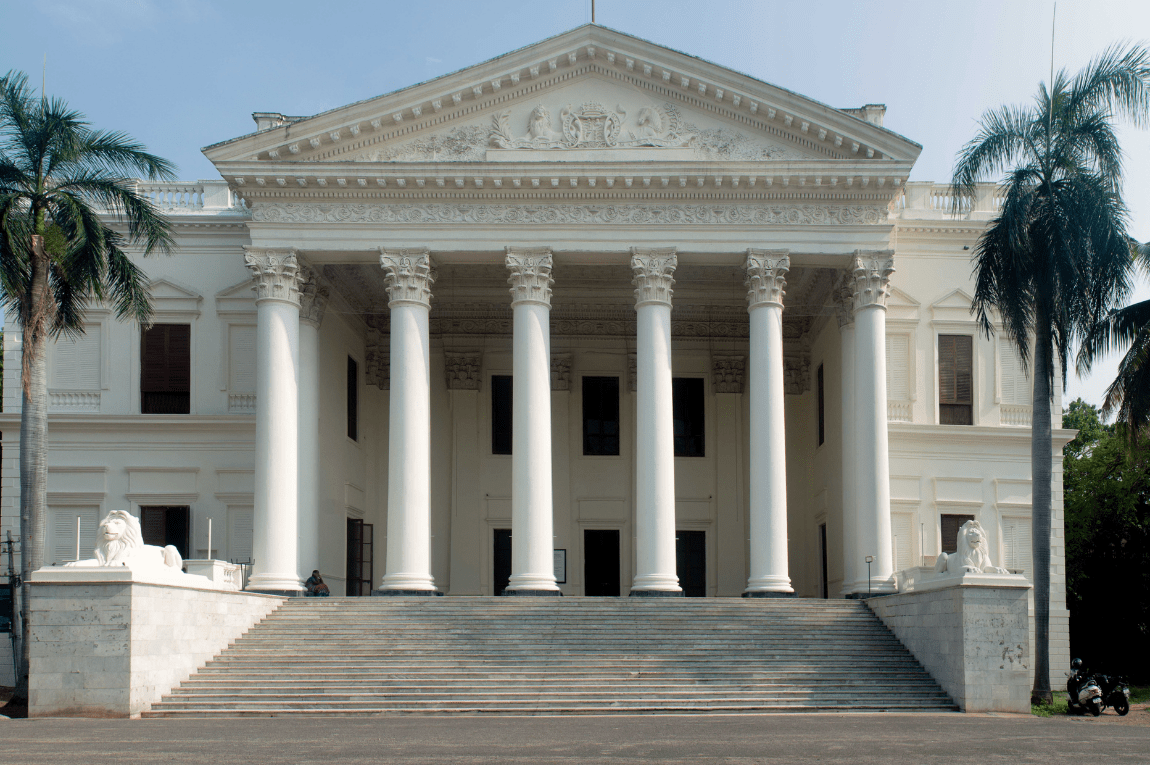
[[561, 567]]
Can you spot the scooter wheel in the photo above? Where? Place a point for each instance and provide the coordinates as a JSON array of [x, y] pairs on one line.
[[1122, 706], [1096, 707]]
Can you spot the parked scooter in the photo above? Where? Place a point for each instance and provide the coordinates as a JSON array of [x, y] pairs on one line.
[[1115, 693], [1082, 692]]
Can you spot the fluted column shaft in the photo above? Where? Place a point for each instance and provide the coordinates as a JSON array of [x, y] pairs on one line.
[[275, 541], [766, 281], [408, 568], [532, 542], [871, 285], [655, 569], [313, 301]]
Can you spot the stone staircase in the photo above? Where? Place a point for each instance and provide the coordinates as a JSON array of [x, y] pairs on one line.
[[542, 656]]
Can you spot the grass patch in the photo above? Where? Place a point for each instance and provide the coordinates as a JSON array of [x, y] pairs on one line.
[[1058, 707], [1139, 694]]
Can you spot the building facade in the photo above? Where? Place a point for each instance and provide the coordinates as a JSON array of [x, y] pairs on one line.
[[593, 318]]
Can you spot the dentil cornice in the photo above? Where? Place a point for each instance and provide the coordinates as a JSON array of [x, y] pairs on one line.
[[530, 278], [313, 297], [767, 277], [653, 269], [276, 273], [409, 275], [870, 278]]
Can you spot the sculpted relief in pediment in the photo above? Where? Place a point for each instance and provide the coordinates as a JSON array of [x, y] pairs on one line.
[[590, 125]]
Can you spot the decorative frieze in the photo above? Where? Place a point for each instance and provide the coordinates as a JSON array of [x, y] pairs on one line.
[[313, 297], [593, 126], [409, 275], [561, 371], [276, 273], [870, 277], [530, 278], [555, 214], [796, 374], [728, 373], [767, 277], [653, 269], [462, 370]]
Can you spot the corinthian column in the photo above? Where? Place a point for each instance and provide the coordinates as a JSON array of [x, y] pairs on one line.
[[870, 285], [275, 541], [844, 303], [313, 301], [532, 560], [655, 571], [766, 280], [408, 570]]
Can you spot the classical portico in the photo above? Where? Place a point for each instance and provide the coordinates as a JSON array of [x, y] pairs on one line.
[[657, 220]]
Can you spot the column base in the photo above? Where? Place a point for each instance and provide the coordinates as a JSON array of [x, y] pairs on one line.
[[769, 594], [529, 593], [656, 593], [275, 584], [865, 595], [283, 593], [398, 593]]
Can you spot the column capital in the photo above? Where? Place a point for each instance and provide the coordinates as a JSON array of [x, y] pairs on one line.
[[409, 275], [276, 273], [870, 277], [653, 269], [312, 296], [462, 370], [530, 278], [766, 277], [728, 373]]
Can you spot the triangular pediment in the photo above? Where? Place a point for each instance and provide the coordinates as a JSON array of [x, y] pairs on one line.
[[901, 306], [238, 298], [170, 297], [591, 94], [954, 306]]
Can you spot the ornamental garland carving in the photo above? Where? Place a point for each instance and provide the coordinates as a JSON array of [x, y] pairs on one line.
[[276, 274], [767, 276], [462, 370], [870, 277], [409, 275], [530, 278], [592, 126], [552, 214], [653, 269]]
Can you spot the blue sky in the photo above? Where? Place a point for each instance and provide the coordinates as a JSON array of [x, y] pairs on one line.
[[183, 74]]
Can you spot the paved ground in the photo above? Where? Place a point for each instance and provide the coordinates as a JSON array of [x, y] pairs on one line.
[[854, 739]]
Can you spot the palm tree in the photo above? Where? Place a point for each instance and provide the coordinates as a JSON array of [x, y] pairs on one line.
[[1128, 396], [56, 257], [1057, 259]]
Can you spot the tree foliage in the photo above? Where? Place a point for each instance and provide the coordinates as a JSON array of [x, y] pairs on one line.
[[1106, 488]]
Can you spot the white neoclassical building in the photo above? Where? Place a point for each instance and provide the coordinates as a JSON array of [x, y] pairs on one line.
[[594, 317]]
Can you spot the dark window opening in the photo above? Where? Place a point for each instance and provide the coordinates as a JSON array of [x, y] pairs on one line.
[[824, 584], [501, 411], [687, 404], [955, 380], [166, 369], [163, 526], [360, 556], [950, 526], [352, 399], [601, 416], [501, 559], [822, 404]]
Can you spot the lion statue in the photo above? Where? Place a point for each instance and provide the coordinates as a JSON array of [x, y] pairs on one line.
[[539, 126], [972, 557], [120, 542]]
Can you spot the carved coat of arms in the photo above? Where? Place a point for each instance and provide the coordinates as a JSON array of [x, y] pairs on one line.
[[593, 126]]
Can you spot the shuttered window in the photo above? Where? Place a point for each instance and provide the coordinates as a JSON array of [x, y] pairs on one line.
[[76, 362], [897, 367], [1013, 382], [62, 530], [1017, 549], [955, 380], [240, 533], [166, 369], [242, 359], [901, 529], [950, 526]]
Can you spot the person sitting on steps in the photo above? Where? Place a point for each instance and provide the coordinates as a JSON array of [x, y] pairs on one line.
[[316, 587]]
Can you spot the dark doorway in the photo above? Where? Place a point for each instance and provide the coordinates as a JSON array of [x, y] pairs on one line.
[[826, 593], [601, 562], [501, 557], [163, 526], [691, 562], [360, 556]]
